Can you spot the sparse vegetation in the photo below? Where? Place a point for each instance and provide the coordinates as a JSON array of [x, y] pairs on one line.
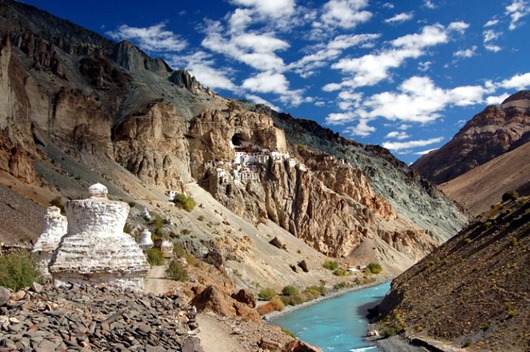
[[155, 256], [184, 202], [341, 272], [340, 285], [18, 271], [179, 250], [331, 265], [176, 271], [290, 291], [374, 268], [266, 294]]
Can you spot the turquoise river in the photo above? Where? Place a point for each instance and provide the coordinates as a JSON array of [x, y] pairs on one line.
[[337, 324]]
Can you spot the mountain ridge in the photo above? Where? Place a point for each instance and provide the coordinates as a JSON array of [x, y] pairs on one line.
[[109, 113], [489, 134]]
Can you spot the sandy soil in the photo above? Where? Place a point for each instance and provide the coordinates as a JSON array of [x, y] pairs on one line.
[[216, 336]]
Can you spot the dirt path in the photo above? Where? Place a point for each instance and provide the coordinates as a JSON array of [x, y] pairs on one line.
[[155, 281], [216, 336]]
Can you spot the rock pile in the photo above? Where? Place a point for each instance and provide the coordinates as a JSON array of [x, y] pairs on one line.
[[87, 318]]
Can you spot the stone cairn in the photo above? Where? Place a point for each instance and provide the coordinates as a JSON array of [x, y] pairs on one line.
[[95, 250], [55, 226]]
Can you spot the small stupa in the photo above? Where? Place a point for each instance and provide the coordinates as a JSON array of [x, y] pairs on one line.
[[145, 241], [55, 226], [95, 250]]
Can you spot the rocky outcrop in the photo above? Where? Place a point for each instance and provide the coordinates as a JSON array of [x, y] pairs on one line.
[[95, 250], [486, 136], [472, 291], [214, 300]]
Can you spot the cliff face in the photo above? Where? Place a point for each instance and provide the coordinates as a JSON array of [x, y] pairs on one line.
[[473, 290], [487, 135], [69, 93]]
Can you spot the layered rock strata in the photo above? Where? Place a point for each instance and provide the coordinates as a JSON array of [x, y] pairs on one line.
[[95, 249]]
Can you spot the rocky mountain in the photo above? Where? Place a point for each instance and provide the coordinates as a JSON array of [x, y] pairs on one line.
[[77, 108], [483, 186], [472, 291], [489, 134]]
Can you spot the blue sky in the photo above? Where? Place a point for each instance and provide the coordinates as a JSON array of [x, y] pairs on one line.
[[402, 74]]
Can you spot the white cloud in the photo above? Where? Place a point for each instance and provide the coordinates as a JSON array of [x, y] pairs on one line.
[[424, 66], [373, 68], [491, 23], [272, 8], [429, 4], [154, 39], [397, 135], [258, 100], [497, 100], [400, 17], [423, 152], [494, 48], [466, 53], [418, 100], [307, 65], [519, 82], [517, 10], [345, 13], [459, 26], [490, 35], [203, 68], [397, 146], [361, 129], [267, 82]]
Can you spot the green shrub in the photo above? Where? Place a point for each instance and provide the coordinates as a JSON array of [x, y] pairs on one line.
[[290, 291], [341, 272], [155, 256], [179, 250], [277, 303], [331, 264], [176, 271], [18, 270], [288, 333], [374, 268], [266, 294], [184, 202], [510, 195]]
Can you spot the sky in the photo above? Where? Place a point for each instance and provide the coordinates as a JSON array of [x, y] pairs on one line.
[[406, 75]]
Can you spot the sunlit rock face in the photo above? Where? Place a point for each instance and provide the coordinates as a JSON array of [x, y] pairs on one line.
[[95, 249], [55, 226]]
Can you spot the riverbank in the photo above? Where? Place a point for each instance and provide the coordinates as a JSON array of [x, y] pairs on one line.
[[330, 295]]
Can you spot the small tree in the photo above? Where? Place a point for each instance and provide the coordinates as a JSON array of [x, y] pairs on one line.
[[184, 202]]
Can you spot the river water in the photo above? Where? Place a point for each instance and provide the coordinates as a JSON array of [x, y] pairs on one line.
[[336, 324]]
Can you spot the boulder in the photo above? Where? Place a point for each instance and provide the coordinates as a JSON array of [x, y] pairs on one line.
[[213, 299], [5, 294], [246, 297], [277, 243], [303, 266]]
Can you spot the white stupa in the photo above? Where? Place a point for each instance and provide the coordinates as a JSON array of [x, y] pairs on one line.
[[145, 241], [55, 226], [95, 249]]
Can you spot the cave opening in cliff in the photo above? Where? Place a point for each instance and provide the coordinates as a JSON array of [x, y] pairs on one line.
[[239, 140]]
